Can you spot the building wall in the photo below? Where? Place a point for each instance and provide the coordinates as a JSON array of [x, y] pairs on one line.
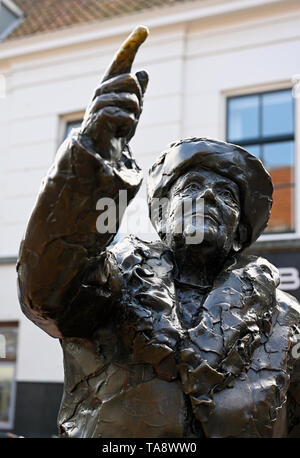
[[192, 67]]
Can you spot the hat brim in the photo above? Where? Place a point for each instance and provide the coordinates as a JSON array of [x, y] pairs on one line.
[[226, 159]]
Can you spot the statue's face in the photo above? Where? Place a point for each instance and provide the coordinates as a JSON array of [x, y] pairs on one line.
[[221, 209]]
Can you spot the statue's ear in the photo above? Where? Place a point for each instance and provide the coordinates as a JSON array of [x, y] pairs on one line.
[[241, 237]]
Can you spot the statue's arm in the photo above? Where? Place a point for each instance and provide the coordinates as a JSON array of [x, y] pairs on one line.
[[64, 281]]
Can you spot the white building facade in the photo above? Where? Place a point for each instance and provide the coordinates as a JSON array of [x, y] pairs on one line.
[[199, 56]]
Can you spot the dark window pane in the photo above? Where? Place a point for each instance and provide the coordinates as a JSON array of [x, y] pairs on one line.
[[277, 113], [243, 118], [279, 160]]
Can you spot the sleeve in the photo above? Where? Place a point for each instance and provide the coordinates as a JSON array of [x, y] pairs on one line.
[[65, 277]]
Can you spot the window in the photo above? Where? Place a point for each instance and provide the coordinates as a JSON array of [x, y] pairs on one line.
[[264, 125], [8, 356], [10, 17], [72, 125]]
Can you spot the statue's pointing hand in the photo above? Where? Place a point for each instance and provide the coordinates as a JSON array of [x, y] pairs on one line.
[[112, 116]]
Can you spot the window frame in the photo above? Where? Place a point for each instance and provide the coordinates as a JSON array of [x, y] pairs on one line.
[[260, 89], [260, 139], [63, 122]]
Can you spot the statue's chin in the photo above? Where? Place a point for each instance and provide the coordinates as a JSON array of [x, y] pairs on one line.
[[193, 239], [214, 242]]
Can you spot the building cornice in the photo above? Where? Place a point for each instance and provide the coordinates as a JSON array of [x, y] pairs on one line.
[[110, 28]]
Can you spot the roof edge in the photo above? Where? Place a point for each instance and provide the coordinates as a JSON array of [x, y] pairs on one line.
[[168, 16]]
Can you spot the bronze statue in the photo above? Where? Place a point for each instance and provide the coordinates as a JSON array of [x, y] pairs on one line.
[[165, 338]]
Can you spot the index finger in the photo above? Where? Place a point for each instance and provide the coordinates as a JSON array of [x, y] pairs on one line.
[[122, 61]]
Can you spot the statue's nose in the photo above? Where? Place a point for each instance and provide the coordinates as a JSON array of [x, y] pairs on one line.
[[208, 194]]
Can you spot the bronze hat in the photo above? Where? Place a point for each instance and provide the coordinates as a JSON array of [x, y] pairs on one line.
[[226, 159]]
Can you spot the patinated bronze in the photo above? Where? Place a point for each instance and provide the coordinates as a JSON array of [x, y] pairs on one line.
[[165, 338]]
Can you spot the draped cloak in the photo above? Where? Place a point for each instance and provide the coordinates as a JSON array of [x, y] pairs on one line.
[[229, 373]]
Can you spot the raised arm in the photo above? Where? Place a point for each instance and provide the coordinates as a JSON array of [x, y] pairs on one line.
[[60, 255]]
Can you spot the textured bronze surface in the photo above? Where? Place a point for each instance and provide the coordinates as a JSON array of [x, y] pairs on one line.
[[165, 338]]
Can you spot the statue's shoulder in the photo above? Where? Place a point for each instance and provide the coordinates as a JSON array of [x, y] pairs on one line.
[[131, 251], [254, 264], [255, 271], [289, 308], [260, 269]]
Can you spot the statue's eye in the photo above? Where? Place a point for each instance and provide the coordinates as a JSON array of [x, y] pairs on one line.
[[228, 195], [193, 186]]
